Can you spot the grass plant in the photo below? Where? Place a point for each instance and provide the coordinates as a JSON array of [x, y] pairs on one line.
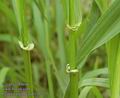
[[19, 9], [76, 53]]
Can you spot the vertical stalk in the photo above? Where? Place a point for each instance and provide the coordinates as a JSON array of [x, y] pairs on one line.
[[28, 73], [113, 53], [48, 51], [49, 77], [116, 79], [72, 58], [27, 60], [19, 8], [48, 60], [73, 76]]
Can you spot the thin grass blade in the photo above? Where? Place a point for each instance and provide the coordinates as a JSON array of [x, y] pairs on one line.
[[105, 29]]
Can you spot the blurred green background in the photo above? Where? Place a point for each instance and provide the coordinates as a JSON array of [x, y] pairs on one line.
[[55, 42]]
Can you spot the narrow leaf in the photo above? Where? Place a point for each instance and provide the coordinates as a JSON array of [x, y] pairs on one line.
[[102, 82], [3, 73], [105, 29]]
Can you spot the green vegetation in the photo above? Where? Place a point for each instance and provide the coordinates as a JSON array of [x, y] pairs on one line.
[[59, 49]]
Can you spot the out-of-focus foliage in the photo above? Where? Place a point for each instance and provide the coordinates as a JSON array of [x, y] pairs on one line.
[[47, 28]]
